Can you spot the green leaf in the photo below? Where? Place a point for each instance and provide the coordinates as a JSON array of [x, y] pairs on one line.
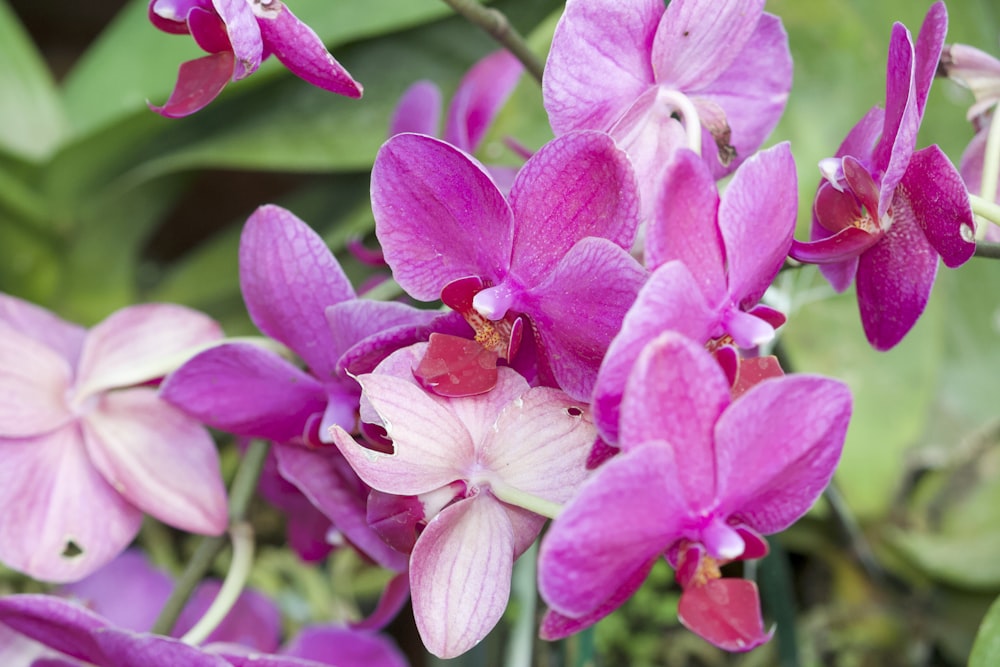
[[986, 650], [31, 115]]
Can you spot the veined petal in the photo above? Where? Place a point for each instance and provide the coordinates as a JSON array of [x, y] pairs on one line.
[[158, 458], [479, 97], [902, 120], [62, 520], [431, 445], [43, 326], [56, 622], [246, 390], [357, 320], [579, 309], [673, 370], [199, 82], [301, 50], [669, 301], [140, 343], [244, 35], [540, 444], [696, 40], [623, 517], [349, 647], [330, 484], [597, 196], [438, 215], [34, 382], [894, 279], [123, 647], [418, 110], [777, 447], [757, 221], [460, 574], [934, 191], [288, 277], [599, 62], [479, 414], [685, 226]]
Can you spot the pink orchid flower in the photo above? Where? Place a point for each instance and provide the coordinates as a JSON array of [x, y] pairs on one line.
[[238, 35], [86, 449]]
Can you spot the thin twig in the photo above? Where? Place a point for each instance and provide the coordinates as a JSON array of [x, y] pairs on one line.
[[990, 250], [496, 24]]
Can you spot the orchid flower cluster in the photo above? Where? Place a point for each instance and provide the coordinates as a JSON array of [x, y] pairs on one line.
[[599, 364]]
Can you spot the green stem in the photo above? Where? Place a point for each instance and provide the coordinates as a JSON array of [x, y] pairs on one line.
[[520, 646], [499, 28], [985, 209], [775, 581], [532, 503], [990, 250], [240, 493]]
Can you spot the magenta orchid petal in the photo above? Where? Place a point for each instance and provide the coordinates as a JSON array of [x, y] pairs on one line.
[[669, 301], [579, 308], [698, 39], [849, 243], [331, 486], [18, 650], [438, 215], [933, 190], [34, 382], [418, 110], [62, 519], [902, 120], [771, 471], [757, 221], [43, 326], [581, 91], [244, 35], [355, 321], [927, 51], [479, 97], [864, 136], [159, 459], [364, 356], [122, 647], [633, 503], [598, 198], [199, 82], [128, 347], [673, 370], [684, 225], [346, 647], [301, 50], [55, 622], [209, 31], [460, 574], [288, 277], [558, 626], [246, 390], [894, 280], [420, 462], [540, 442]]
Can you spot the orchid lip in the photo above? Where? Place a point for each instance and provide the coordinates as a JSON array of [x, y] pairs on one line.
[[494, 302]]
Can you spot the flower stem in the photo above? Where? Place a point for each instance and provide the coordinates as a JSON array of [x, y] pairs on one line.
[[985, 209], [497, 25], [989, 250], [240, 494], [520, 646], [532, 503]]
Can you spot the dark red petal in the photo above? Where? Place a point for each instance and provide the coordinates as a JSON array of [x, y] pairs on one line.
[[726, 613], [752, 371], [454, 367], [848, 243], [198, 83]]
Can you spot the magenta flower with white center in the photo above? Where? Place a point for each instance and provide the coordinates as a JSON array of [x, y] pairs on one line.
[[712, 259], [886, 213], [85, 449], [476, 456], [627, 68], [238, 35], [556, 252], [701, 477]]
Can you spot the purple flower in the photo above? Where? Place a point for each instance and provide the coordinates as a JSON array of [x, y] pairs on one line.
[[628, 67], [238, 35], [885, 212], [466, 458], [86, 449], [478, 98], [701, 477], [555, 253], [712, 259]]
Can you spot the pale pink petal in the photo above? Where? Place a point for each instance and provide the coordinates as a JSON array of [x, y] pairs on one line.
[[599, 62], [18, 650], [623, 517], [971, 165], [678, 372], [289, 277], [777, 447], [418, 110], [479, 97], [460, 575], [244, 35], [158, 458], [45, 327], [34, 383], [199, 82], [479, 414], [140, 343], [540, 444], [301, 50], [55, 504], [696, 40], [438, 215]]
